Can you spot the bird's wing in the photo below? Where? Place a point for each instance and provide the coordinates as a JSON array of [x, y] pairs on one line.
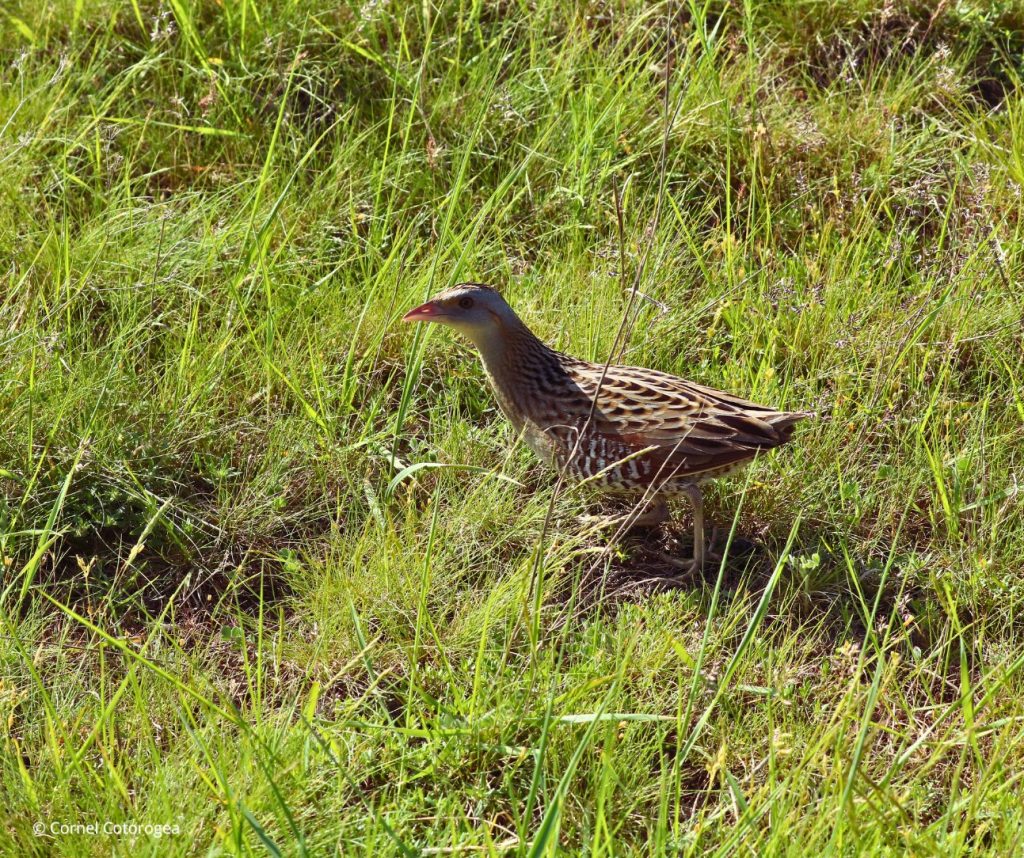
[[694, 427]]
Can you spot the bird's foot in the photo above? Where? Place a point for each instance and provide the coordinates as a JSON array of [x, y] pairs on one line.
[[601, 522], [627, 522], [691, 568]]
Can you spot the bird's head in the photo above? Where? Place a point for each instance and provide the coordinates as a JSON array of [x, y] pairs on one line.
[[473, 309]]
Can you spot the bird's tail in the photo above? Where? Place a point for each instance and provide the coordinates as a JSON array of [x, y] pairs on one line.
[[784, 421]]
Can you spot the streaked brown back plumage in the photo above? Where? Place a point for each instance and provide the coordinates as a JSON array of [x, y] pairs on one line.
[[648, 428]]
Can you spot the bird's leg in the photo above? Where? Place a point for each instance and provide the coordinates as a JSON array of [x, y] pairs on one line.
[[649, 512], [694, 565], [697, 499]]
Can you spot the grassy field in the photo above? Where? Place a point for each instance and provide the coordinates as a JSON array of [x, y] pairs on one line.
[[278, 576]]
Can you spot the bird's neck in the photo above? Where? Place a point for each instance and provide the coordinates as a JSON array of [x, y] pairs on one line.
[[512, 348], [517, 361]]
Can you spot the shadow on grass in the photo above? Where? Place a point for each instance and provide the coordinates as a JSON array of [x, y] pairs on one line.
[[850, 598]]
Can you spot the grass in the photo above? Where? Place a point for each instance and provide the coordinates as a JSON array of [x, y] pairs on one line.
[[277, 573]]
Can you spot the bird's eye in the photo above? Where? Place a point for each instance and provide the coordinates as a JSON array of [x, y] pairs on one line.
[[465, 303]]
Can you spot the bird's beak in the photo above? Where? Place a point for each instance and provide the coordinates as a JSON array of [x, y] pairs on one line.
[[423, 313]]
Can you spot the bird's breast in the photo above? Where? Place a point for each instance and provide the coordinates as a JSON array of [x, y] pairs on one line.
[[543, 443], [531, 419]]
